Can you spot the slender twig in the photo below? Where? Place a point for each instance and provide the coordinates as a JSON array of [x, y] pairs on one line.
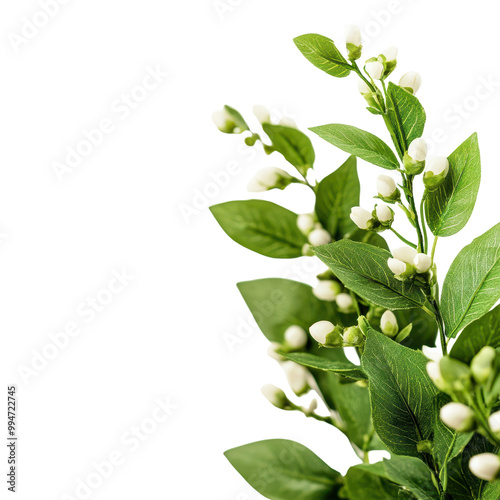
[[403, 239]]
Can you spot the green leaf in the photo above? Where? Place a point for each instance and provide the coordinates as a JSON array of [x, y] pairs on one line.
[[281, 470], [424, 331], [344, 368], [363, 269], [484, 331], [401, 393], [406, 114], [449, 208], [369, 237], [321, 51], [294, 145], [335, 197], [237, 118], [443, 435], [472, 285], [359, 143], [277, 304], [362, 483], [261, 226]]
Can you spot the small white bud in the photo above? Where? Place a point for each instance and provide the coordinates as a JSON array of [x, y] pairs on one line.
[[274, 395], [262, 114], [320, 330], [223, 120], [485, 466], [418, 149], [411, 80], [360, 217], [391, 53], [434, 372], [271, 351], [307, 250], [363, 88], [267, 178], [422, 263], [344, 302], [305, 222], [396, 266], [494, 421], [375, 70], [327, 290], [286, 121], [312, 406], [384, 213], [386, 186], [389, 324], [432, 353], [296, 337], [319, 237], [438, 165], [457, 416], [406, 254], [297, 377], [352, 34]]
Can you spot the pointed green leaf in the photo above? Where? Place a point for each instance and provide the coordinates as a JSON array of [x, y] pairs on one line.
[[261, 226], [294, 145], [281, 470], [237, 118], [359, 143], [362, 483], [363, 269], [344, 368], [335, 197], [449, 208], [322, 52], [406, 114], [472, 286], [484, 331], [424, 330], [401, 393]]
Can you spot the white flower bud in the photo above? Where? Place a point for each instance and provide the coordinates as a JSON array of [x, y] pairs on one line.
[[434, 372], [485, 466], [271, 351], [422, 263], [411, 80], [375, 70], [223, 120], [319, 237], [391, 53], [389, 324], [327, 290], [458, 417], [352, 35], [286, 121], [494, 421], [432, 353], [269, 178], [386, 186], [296, 337], [481, 365], [360, 217], [307, 250], [305, 222], [274, 395], [418, 149], [396, 266], [297, 377], [262, 114], [320, 330], [384, 213], [406, 254], [363, 88], [438, 165], [344, 302]]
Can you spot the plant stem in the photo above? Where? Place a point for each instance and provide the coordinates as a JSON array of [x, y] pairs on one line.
[[411, 201], [434, 244], [422, 218], [403, 239], [443, 475]]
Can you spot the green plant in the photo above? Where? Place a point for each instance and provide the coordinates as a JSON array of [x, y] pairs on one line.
[[438, 418]]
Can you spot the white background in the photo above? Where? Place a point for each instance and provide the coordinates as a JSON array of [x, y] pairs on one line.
[[165, 334]]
